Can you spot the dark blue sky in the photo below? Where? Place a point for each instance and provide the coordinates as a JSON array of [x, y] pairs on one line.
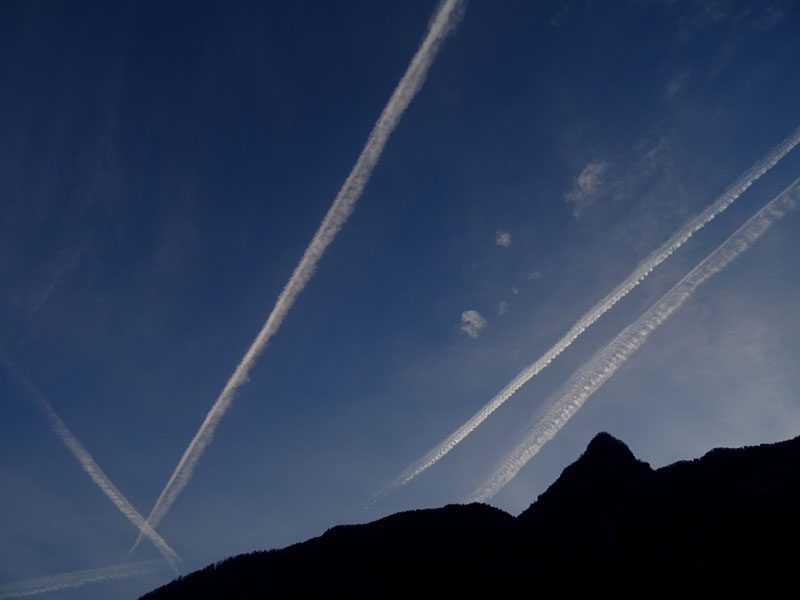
[[163, 167]]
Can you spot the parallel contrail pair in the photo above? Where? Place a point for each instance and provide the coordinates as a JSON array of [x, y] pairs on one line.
[[443, 21], [88, 463], [73, 579], [736, 189], [588, 379]]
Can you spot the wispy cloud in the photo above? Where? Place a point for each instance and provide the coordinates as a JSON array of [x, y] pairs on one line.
[[768, 18], [675, 241], [74, 579], [587, 187], [503, 238], [676, 84], [443, 21], [55, 277], [87, 462], [472, 323], [557, 20], [588, 379], [701, 15], [502, 308]]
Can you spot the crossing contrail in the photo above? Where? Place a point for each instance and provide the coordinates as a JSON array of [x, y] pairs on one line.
[[88, 463], [73, 579], [441, 24], [588, 379], [659, 255]]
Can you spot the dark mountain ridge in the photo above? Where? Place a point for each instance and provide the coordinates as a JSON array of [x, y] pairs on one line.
[[609, 520]]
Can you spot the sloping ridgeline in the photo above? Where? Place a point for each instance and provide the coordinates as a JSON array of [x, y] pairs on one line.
[[610, 522]]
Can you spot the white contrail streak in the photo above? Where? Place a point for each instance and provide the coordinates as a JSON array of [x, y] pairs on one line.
[[588, 379], [736, 189], [441, 24], [87, 462], [73, 579]]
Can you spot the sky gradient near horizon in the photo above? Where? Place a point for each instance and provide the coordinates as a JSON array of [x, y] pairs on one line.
[[165, 165]]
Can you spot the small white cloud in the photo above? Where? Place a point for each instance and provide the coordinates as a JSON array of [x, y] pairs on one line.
[[472, 323], [514, 290], [502, 308], [503, 238], [535, 276], [587, 187]]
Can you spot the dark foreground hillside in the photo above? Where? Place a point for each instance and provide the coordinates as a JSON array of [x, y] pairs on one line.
[[718, 523]]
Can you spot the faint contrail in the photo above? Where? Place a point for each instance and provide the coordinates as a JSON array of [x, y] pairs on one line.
[[87, 462], [588, 379], [440, 25], [658, 256], [73, 579]]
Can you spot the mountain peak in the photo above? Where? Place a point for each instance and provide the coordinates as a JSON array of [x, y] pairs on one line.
[[605, 448], [606, 461], [607, 474]]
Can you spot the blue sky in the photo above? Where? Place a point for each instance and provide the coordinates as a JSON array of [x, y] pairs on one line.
[[165, 165]]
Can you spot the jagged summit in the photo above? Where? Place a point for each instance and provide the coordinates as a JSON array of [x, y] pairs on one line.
[[606, 469], [608, 455], [605, 443]]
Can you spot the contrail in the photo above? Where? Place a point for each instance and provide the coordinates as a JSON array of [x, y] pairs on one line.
[[736, 189], [87, 462], [73, 579], [588, 379], [440, 25]]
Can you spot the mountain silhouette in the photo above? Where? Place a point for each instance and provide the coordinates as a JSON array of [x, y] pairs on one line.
[[722, 523]]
